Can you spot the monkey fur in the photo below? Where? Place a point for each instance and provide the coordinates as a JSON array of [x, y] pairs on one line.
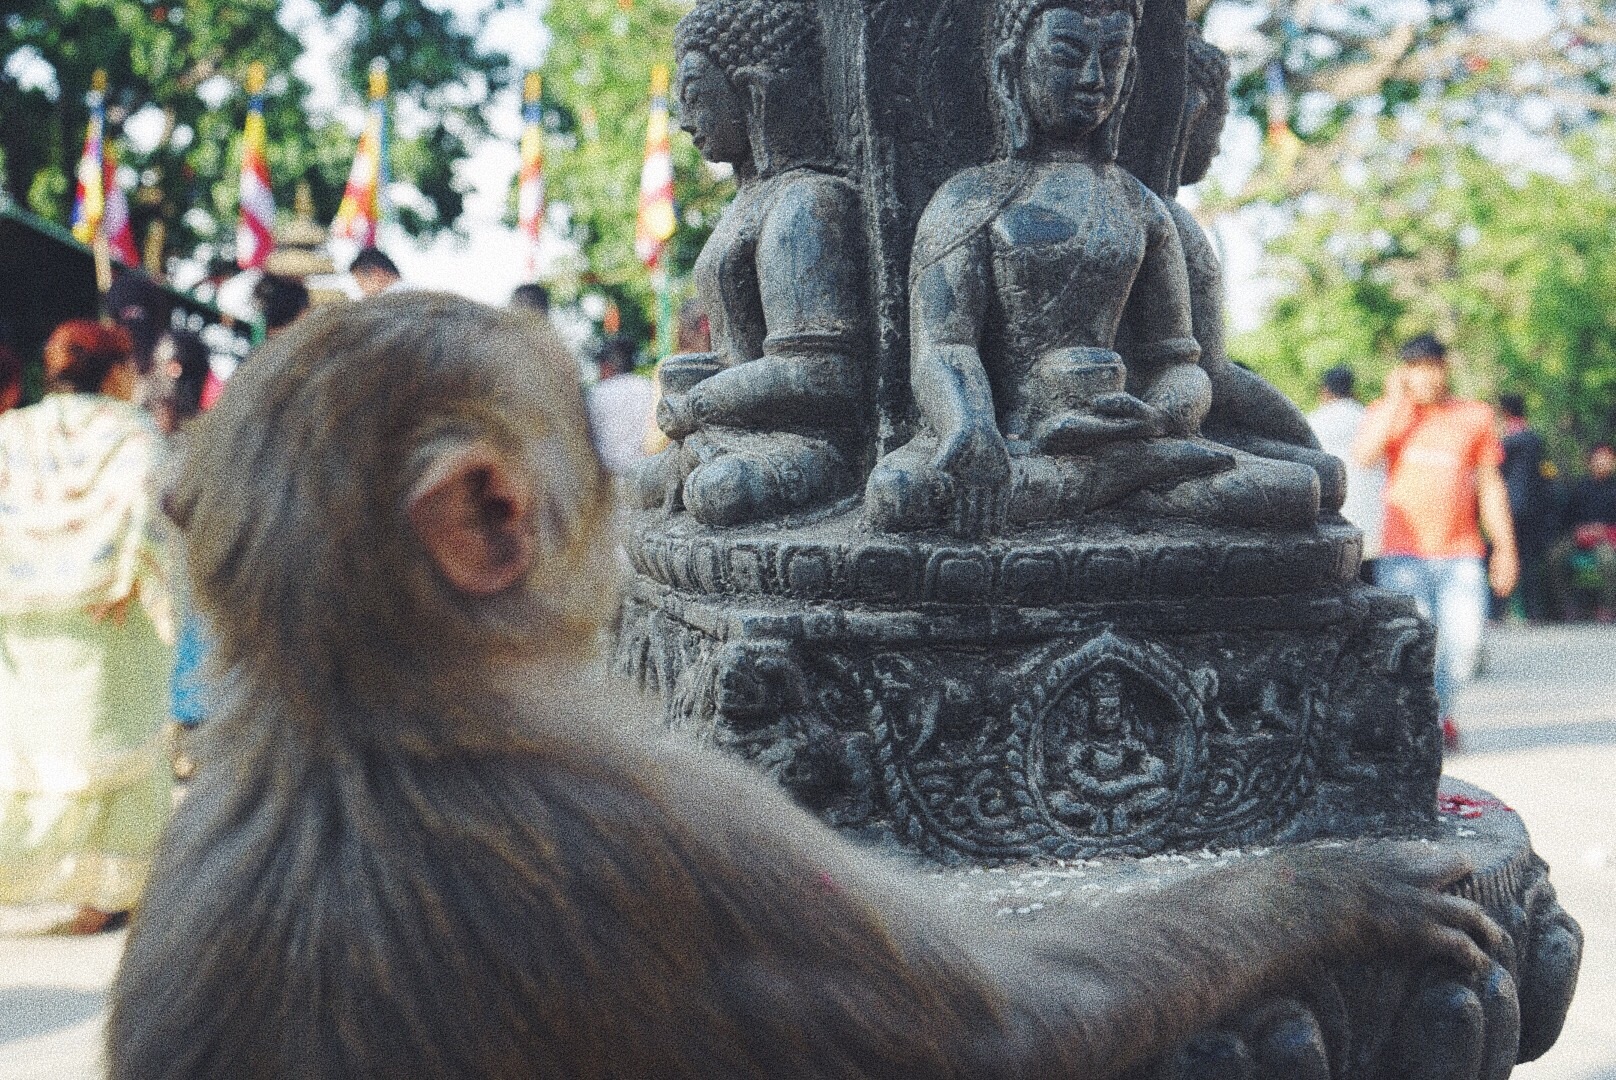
[[426, 841]]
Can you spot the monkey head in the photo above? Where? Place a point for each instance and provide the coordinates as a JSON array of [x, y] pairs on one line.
[[398, 486]]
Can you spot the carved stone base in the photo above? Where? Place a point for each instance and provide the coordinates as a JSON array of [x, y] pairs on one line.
[[1148, 697], [1115, 694], [1391, 1019]]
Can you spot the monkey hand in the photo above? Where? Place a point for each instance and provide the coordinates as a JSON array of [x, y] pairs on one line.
[[1392, 892]]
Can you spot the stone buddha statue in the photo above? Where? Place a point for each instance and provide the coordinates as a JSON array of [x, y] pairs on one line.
[[1247, 411], [1025, 273], [774, 419]]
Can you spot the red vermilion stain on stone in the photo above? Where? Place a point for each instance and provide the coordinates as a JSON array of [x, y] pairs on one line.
[[1463, 806]]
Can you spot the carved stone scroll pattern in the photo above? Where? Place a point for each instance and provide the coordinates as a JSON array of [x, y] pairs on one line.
[[1081, 745]]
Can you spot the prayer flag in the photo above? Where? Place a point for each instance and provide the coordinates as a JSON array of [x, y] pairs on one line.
[[656, 222], [115, 223], [530, 190], [89, 192], [253, 237], [99, 207], [363, 198]]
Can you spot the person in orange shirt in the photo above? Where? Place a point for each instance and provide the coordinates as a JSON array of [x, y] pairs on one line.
[[1443, 488]]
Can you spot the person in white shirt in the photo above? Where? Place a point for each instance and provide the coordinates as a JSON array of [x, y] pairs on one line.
[[1335, 422], [620, 407]]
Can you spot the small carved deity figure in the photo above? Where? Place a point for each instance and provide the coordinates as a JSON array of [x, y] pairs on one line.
[[1110, 779], [1247, 411], [770, 421], [1023, 273]]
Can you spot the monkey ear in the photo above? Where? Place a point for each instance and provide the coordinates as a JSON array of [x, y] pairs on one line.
[[473, 512]]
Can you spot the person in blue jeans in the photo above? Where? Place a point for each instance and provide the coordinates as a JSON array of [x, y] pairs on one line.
[[1443, 488], [1452, 593]]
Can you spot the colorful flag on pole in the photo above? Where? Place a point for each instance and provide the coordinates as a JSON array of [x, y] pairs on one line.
[[1285, 143], [656, 222], [530, 190], [253, 238], [100, 210], [89, 193], [115, 223], [364, 197]]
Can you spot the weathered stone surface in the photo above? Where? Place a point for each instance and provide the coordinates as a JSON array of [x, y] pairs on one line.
[[836, 558], [967, 725], [974, 537]]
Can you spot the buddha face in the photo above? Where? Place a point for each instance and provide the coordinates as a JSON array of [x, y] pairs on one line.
[[711, 110], [1072, 72]]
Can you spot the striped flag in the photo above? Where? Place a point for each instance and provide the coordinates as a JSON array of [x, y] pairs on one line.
[[363, 198], [1285, 144], [100, 210], [530, 190], [656, 222], [253, 238], [89, 193], [115, 223]]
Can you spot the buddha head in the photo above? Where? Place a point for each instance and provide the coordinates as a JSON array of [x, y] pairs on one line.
[[1206, 107], [748, 82], [1061, 72]]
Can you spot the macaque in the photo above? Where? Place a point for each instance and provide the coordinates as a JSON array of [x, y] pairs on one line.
[[425, 841]]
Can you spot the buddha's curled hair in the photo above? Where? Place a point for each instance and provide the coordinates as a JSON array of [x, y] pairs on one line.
[[748, 39]]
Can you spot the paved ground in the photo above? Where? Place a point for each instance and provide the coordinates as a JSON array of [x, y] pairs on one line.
[[1540, 733], [1540, 728]]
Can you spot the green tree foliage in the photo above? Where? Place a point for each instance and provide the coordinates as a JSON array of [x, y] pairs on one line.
[[1326, 70], [1441, 166], [1511, 266], [597, 84], [174, 55]]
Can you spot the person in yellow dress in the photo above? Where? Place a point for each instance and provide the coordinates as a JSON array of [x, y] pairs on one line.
[[85, 638]]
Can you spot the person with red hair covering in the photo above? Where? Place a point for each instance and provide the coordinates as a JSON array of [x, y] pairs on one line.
[[85, 627], [10, 378]]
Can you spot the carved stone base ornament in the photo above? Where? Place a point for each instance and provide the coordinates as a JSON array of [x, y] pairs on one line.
[[1158, 697], [972, 535]]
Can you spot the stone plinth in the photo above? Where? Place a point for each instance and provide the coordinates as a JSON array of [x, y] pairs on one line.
[[1115, 691]]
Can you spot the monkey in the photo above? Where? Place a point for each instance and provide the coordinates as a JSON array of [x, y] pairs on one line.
[[427, 838]]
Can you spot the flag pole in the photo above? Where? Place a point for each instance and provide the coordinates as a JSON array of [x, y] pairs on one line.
[[364, 197], [255, 200], [530, 200], [384, 167], [664, 314]]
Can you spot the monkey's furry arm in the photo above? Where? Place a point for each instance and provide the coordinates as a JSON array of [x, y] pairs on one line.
[[1075, 992], [1117, 985]]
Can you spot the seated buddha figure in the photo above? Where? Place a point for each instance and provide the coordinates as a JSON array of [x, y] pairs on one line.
[[772, 420], [1023, 274], [1247, 412]]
